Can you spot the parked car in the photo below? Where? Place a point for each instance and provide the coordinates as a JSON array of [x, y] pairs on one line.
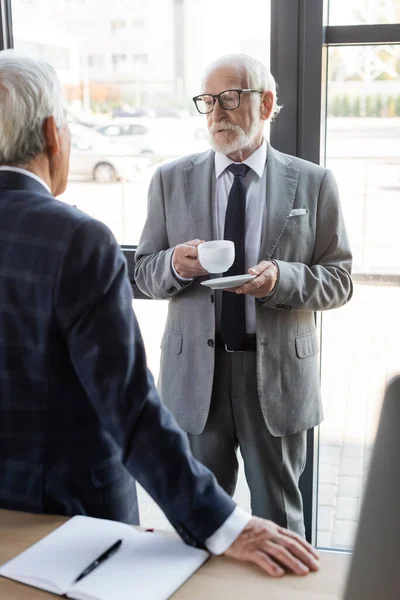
[[95, 157], [158, 138], [134, 131], [125, 111]]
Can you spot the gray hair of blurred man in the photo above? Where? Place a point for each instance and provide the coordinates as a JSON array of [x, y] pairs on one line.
[[30, 92], [256, 73]]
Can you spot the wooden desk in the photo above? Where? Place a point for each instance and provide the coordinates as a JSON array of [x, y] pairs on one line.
[[218, 578]]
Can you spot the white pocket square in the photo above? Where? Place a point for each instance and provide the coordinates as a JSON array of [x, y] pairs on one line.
[[297, 211]]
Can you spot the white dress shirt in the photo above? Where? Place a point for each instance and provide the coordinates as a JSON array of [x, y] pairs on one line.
[[237, 521], [28, 173], [256, 180], [228, 532]]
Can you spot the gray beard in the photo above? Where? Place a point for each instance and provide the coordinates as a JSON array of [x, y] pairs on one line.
[[241, 141], [228, 148]]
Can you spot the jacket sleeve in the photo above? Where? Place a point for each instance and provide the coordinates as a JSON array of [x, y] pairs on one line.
[[325, 283], [93, 305], [154, 275]]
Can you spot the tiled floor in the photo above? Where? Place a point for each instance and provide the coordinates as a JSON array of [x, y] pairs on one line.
[[360, 352]]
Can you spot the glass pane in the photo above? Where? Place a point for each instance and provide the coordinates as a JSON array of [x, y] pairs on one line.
[[363, 12], [129, 70], [361, 341]]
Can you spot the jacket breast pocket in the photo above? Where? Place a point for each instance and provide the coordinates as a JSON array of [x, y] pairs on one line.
[[298, 220], [171, 341], [307, 345]]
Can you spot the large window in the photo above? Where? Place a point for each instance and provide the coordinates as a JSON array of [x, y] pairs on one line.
[[360, 342], [129, 70], [356, 57]]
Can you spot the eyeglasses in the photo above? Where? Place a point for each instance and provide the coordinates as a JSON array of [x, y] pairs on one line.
[[228, 100]]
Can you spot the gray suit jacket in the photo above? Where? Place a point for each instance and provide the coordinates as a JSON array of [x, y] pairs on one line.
[[314, 259]]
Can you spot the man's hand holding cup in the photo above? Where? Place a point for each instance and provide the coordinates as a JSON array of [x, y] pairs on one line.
[[186, 260], [197, 257]]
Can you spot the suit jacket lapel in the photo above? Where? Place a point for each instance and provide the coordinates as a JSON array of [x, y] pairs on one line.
[[199, 189], [281, 190]]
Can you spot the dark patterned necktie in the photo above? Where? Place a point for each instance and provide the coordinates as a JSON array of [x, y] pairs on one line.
[[233, 317]]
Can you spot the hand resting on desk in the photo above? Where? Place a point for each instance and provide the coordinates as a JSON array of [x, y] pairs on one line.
[[274, 549]]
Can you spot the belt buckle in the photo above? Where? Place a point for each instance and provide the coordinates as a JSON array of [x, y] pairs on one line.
[[232, 351]]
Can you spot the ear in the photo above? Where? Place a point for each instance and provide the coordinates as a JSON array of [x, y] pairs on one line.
[[267, 102], [50, 132]]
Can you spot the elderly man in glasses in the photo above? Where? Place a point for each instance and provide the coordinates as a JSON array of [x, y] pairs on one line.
[[240, 366]]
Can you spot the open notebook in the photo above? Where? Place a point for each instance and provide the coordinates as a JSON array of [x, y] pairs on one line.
[[147, 566]]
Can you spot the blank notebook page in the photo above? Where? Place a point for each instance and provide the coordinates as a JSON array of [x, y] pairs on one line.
[[147, 566], [66, 552], [151, 567]]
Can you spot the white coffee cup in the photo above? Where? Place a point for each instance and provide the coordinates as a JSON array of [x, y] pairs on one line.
[[216, 256]]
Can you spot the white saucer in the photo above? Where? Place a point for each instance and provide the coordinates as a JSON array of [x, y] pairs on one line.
[[223, 283]]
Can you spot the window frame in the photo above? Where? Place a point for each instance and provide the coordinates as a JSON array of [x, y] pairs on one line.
[[296, 63], [299, 58], [365, 35], [6, 27]]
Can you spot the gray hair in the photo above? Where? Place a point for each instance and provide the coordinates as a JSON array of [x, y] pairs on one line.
[[258, 76], [30, 92]]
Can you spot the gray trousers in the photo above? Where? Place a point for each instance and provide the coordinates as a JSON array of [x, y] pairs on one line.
[[273, 465]]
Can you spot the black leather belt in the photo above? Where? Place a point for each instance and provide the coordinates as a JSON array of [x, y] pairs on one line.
[[249, 344]]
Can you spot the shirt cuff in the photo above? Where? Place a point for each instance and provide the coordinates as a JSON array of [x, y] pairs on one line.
[[176, 274], [230, 529]]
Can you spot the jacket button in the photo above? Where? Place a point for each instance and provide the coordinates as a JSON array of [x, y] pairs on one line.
[[172, 290], [212, 299], [210, 343]]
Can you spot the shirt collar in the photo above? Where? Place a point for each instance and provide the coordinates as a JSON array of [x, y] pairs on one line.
[[255, 161], [28, 173]]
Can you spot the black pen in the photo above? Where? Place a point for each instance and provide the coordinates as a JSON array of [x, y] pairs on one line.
[[99, 560]]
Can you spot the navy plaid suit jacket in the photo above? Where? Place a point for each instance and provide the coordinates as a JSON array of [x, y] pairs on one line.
[[79, 414]]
